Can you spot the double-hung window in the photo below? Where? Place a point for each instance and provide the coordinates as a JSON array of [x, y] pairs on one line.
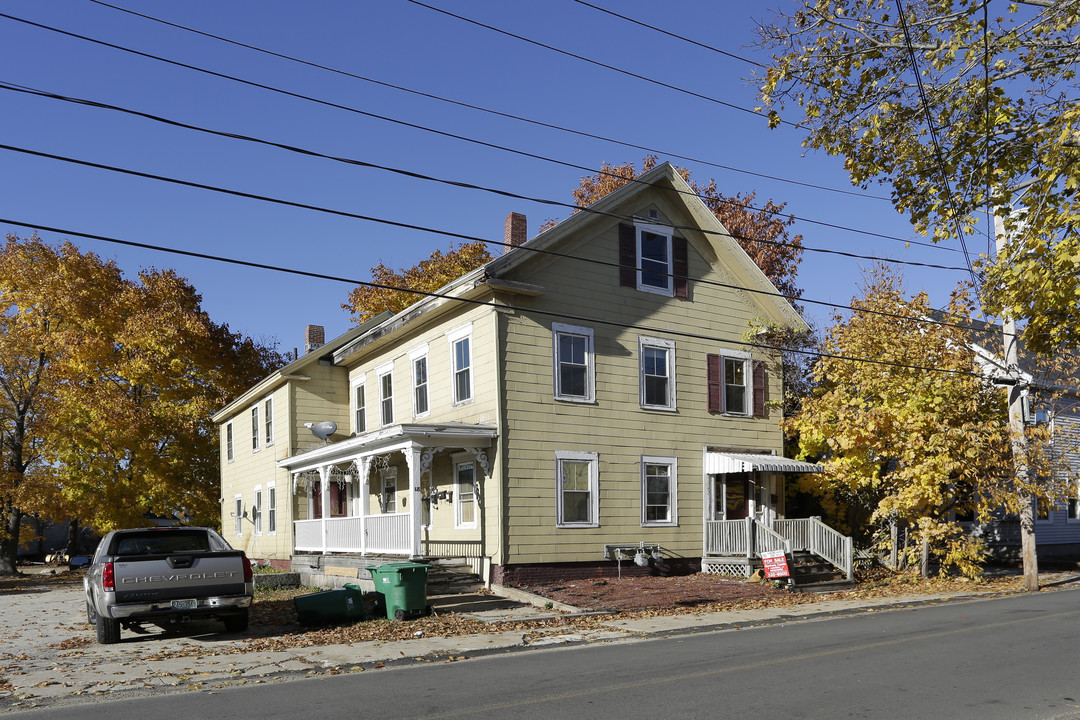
[[657, 373], [736, 385], [465, 502], [255, 429], [653, 259], [385, 374], [271, 509], [575, 377], [230, 453], [359, 407], [658, 490], [420, 380], [577, 489], [256, 510], [268, 421], [461, 357], [388, 494]]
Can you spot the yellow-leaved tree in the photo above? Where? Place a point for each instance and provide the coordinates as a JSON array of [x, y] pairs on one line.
[[908, 431], [107, 386]]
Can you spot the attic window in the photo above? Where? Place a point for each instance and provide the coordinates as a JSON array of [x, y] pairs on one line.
[[653, 215], [653, 260]]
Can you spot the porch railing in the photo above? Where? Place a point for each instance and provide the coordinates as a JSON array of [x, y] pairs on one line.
[[749, 538], [388, 534], [744, 537]]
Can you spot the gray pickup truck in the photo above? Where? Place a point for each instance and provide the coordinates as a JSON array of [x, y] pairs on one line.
[[166, 576]]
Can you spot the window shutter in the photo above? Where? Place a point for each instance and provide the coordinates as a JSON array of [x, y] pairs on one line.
[[627, 256], [714, 378], [760, 385], [680, 267]]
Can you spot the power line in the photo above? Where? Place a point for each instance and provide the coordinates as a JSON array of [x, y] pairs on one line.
[[460, 236], [934, 136], [483, 303], [498, 113], [291, 148], [472, 238], [365, 113], [613, 68], [662, 31]]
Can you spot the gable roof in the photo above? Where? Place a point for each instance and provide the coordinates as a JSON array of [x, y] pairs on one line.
[[665, 177], [293, 370]]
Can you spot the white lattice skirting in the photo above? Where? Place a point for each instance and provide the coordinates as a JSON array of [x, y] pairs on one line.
[[720, 567]]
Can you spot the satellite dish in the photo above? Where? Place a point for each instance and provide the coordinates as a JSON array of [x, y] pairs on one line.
[[323, 430]]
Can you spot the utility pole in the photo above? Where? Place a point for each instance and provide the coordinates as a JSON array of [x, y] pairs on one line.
[[1017, 436]]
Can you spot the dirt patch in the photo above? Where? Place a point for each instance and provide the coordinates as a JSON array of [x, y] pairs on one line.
[[653, 593]]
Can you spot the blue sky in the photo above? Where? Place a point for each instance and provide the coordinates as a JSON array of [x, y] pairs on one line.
[[408, 45]]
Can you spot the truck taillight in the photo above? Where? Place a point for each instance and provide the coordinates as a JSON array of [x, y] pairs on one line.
[[248, 575], [108, 580]]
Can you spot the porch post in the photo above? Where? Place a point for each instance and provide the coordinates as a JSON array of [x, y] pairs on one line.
[[363, 466], [749, 537], [416, 515], [324, 491]]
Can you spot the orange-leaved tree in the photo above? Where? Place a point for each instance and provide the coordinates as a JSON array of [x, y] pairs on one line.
[[388, 288], [107, 386]]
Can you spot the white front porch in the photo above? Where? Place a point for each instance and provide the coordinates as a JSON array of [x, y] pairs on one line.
[[355, 507]]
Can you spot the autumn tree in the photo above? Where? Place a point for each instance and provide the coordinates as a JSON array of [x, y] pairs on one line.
[[762, 232], [961, 111], [107, 387], [906, 429], [387, 289]]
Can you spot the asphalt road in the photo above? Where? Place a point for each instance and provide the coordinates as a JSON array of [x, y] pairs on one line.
[[1007, 658]]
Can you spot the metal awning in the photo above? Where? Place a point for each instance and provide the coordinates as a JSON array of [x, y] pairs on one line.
[[718, 462]]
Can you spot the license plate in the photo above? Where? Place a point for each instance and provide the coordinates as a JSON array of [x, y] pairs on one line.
[[185, 604]]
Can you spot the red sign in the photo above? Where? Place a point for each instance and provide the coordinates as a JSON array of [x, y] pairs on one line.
[[775, 564]]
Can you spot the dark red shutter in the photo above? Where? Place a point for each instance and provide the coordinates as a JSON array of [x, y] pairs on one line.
[[760, 386], [714, 379], [680, 267], [627, 256]]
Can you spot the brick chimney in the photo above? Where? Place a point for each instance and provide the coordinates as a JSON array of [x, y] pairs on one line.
[[314, 337], [515, 232]]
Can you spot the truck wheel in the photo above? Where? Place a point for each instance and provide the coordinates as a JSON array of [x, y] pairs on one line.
[[237, 622], [108, 630]]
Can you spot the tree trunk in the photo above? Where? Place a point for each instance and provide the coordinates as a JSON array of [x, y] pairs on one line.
[[73, 538], [9, 541]]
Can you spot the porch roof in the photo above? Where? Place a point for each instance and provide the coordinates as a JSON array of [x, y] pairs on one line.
[[724, 462], [450, 434]]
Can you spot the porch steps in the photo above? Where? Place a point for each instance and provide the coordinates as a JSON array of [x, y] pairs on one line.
[[812, 574], [452, 577]]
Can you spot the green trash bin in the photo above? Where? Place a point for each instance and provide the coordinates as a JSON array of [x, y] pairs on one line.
[[403, 586], [331, 605]]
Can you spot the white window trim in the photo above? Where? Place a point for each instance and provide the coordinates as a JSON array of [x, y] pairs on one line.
[[256, 510], [238, 515], [669, 345], [256, 429], [460, 461], [594, 487], [357, 383], [385, 476], [271, 509], [558, 329], [381, 372], [748, 374], [416, 354], [268, 420], [230, 442], [667, 232], [464, 332], [673, 495]]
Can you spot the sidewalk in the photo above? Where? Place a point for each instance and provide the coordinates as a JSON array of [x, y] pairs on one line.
[[49, 655]]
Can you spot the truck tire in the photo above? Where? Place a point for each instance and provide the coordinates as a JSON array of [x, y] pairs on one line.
[[237, 622], [108, 630]]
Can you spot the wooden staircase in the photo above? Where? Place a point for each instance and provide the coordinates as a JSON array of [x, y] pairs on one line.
[[452, 576], [811, 573]]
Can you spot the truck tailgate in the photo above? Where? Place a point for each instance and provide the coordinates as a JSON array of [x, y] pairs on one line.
[[148, 578]]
